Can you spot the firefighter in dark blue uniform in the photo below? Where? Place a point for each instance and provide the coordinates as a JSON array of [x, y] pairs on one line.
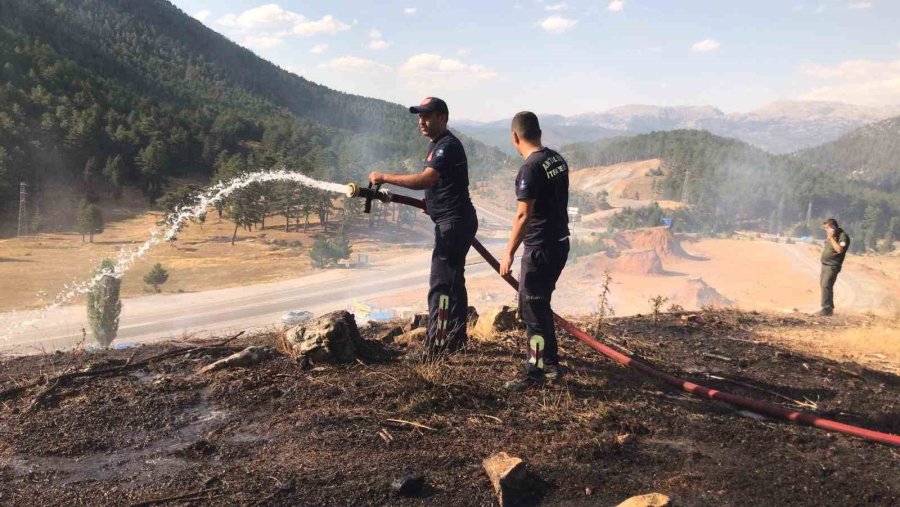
[[542, 224], [445, 179]]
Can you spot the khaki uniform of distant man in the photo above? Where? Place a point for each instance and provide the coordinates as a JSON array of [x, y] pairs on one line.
[[836, 244]]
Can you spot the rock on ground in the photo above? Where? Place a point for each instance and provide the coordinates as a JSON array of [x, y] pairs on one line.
[[507, 474], [648, 500], [412, 339], [332, 338], [495, 321]]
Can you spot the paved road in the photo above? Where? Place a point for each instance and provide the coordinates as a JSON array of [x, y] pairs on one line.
[[216, 312], [501, 219]]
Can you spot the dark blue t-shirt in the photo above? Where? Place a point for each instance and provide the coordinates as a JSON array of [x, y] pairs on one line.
[[448, 200], [544, 177]]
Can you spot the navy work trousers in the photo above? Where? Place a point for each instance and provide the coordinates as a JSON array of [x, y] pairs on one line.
[[540, 269], [448, 301]]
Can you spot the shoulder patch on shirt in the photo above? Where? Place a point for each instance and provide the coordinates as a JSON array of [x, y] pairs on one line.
[[435, 153], [843, 243]]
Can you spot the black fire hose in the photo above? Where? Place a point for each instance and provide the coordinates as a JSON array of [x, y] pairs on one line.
[[760, 407]]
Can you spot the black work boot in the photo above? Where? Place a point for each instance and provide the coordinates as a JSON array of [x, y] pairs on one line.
[[553, 372], [524, 382]]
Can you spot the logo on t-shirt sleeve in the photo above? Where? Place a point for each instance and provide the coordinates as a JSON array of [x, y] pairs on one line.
[[433, 154]]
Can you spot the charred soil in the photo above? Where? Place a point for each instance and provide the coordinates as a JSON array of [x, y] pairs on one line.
[[284, 433]]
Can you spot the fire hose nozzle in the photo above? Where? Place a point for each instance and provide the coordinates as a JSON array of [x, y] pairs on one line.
[[354, 190]]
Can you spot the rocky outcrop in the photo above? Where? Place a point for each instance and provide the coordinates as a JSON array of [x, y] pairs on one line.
[[332, 338]]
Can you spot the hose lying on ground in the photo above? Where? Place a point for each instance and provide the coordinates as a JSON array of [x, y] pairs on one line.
[[690, 387]]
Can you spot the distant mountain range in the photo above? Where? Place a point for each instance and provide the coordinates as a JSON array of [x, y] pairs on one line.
[[869, 154], [779, 127]]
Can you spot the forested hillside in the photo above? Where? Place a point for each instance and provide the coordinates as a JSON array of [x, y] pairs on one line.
[[97, 95], [870, 154], [732, 184]]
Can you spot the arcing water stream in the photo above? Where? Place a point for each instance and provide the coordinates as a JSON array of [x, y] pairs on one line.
[[173, 224]]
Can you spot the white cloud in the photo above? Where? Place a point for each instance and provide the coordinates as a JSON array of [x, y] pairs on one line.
[[318, 49], [354, 64], [377, 44], [202, 15], [427, 69], [860, 5], [261, 41], [327, 24], [556, 7], [467, 51], [264, 16], [228, 20], [375, 34], [409, 10], [705, 46], [268, 25], [557, 24], [865, 82], [616, 5]]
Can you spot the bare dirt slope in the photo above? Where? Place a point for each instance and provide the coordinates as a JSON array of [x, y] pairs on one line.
[[276, 434], [628, 183]]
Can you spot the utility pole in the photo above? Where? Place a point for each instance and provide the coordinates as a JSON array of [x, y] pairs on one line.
[[23, 209]]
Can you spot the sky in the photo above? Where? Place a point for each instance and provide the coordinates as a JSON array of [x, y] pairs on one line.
[[491, 58]]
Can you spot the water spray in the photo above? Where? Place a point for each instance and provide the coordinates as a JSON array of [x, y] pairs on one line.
[[174, 223]]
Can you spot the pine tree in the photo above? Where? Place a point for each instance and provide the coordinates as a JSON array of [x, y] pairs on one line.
[[154, 163], [156, 277], [90, 219], [114, 173], [891, 235], [104, 304], [91, 177], [327, 250]]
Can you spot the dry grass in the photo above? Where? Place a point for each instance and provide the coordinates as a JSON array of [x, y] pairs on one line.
[[35, 269]]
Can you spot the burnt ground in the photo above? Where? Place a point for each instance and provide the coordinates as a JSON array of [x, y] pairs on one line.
[[278, 434]]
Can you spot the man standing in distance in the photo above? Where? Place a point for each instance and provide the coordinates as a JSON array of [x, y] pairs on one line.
[[836, 243], [542, 223], [445, 179]]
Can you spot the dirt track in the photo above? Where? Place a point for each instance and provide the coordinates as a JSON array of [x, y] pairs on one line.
[[275, 434]]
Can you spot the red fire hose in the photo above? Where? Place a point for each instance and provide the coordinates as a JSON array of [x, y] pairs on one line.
[[695, 389]]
